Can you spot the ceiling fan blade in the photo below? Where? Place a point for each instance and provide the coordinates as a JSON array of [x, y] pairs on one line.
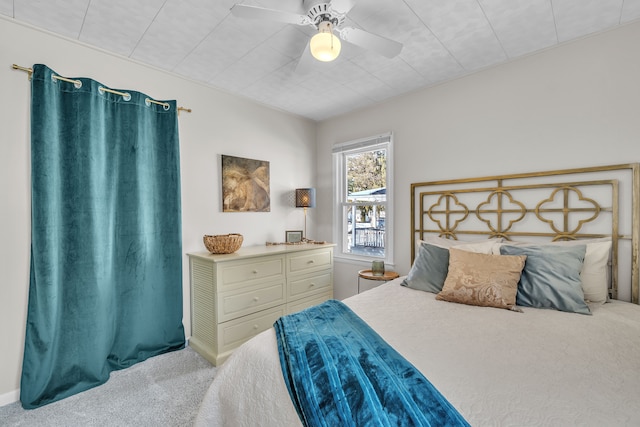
[[306, 62], [255, 12], [382, 45], [342, 6]]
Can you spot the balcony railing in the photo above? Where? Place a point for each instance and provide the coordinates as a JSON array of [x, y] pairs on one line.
[[369, 237]]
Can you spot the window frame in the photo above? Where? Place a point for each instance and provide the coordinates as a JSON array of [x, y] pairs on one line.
[[340, 190]]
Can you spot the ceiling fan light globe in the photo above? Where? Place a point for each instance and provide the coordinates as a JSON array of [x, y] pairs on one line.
[[325, 46]]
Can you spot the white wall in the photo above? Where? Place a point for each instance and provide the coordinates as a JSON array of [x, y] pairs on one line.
[[572, 106], [219, 124]]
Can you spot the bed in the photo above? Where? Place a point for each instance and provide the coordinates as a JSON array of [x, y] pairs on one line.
[[512, 353]]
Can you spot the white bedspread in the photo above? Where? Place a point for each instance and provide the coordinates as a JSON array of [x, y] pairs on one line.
[[497, 367]]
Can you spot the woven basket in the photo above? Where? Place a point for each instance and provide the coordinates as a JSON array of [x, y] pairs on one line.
[[223, 243]]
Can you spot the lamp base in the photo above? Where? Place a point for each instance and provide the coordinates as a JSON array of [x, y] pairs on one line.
[[304, 236]]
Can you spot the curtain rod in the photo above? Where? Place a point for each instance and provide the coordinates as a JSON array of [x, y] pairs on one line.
[[78, 83]]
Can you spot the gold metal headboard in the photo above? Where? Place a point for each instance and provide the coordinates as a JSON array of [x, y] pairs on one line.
[[569, 204]]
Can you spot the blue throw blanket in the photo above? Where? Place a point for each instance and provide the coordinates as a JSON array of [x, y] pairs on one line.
[[340, 372]]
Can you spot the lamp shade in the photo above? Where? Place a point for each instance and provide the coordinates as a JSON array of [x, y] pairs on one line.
[[325, 46], [305, 197]]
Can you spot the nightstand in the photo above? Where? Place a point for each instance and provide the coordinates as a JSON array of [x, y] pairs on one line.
[[367, 274]]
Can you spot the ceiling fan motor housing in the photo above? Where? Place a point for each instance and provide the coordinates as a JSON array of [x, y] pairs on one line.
[[319, 11]]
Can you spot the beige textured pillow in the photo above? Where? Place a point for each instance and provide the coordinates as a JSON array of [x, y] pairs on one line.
[[481, 279]]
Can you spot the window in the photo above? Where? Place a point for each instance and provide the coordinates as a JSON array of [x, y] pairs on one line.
[[363, 198]]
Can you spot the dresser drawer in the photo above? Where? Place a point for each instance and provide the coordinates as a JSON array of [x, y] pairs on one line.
[[236, 303], [247, 272], [308, 261], [235, 332], [302, 286], [301, 304]]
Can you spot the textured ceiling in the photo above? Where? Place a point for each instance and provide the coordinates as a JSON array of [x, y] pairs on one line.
[[442, 39]]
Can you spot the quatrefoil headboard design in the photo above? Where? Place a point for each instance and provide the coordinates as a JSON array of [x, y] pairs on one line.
[[570, 204]]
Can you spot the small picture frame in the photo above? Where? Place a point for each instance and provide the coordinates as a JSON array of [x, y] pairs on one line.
[[293, 236]]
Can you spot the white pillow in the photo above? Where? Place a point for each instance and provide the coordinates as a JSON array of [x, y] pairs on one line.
[[478, 246], [595, 268]]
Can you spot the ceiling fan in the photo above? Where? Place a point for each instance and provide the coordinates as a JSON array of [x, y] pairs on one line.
[[326, 17]]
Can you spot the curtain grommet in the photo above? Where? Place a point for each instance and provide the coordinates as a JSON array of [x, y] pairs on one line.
[[76, 83], [165, 105]]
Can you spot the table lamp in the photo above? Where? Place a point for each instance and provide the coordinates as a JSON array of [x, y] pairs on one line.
[[305, 198]]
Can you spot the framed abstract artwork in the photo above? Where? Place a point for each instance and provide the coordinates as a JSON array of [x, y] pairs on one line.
[[245, 185]]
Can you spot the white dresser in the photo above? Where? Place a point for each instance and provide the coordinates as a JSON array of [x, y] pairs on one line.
[[236, 296]]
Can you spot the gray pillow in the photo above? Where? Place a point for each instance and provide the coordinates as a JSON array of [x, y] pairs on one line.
[[429, 269], [551, 277]]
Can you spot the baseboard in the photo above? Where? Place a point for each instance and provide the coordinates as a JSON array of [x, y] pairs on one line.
[[11, 397]]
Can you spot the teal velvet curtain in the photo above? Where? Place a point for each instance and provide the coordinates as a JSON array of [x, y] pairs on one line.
[[106, 257]]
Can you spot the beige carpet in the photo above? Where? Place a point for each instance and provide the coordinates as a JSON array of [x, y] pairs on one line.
[[165, 390]]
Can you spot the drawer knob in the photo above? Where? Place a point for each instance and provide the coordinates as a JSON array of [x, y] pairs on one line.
[[312, 284], [256, 299], [255, 271], [311, 261], [255, 326]]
